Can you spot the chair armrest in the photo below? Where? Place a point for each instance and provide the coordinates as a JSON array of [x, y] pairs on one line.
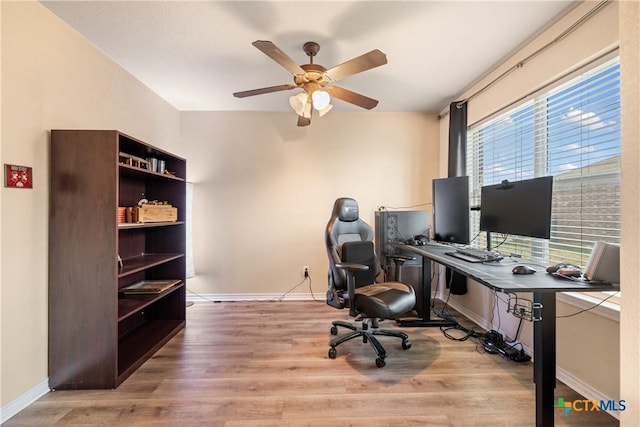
[[352, 266], [399, 260], [352, 269]]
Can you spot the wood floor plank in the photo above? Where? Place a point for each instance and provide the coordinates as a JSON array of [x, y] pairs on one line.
[[250, 364]]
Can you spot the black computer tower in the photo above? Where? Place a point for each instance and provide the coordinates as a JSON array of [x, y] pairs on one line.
[[411, 227]]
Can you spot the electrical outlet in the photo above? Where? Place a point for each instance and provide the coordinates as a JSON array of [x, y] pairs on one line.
[[305, 271]]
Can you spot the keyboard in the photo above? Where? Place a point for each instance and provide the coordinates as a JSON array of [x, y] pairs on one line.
[[475, 255]]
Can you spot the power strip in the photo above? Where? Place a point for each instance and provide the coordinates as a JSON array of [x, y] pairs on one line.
[[505, 350]]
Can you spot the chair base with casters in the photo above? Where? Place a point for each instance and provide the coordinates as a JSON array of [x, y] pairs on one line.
[[370, 325], [368, 336]]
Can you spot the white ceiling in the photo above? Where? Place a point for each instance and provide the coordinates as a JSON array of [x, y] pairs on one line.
[[196, 54]]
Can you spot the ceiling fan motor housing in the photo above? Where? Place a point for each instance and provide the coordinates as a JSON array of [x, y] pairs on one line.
[[313, 73]]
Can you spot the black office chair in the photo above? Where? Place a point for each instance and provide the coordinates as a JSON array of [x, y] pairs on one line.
[[353, 269]]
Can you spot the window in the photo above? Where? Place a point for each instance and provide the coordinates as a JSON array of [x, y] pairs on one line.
[[573, 133]]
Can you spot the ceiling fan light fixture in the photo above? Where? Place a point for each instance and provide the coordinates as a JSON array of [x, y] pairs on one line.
[[321, 99], [325, 110], [306, 113], [298, 102]]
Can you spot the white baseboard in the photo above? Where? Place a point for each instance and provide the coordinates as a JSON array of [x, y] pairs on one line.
[[21, 402], [253, 297], [584, 389]]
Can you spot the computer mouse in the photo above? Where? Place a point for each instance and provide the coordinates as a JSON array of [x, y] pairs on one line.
[[523, 269]]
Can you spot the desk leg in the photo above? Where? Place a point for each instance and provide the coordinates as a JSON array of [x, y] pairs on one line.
[[426, 303], [544, 358]]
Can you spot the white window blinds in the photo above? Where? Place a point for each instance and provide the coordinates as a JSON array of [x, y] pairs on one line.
[[573, 133]]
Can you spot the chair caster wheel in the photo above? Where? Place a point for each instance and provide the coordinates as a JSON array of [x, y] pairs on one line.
[[406, 345], [380, 362], [334, 330], [333, 353]]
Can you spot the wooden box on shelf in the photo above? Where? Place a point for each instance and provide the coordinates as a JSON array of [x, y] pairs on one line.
[[99, 334], [156, 213]]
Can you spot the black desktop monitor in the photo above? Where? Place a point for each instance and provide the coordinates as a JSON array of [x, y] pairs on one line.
[[451, 210], [522, 208]]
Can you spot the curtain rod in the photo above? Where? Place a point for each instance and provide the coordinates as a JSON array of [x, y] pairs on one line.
[[545, 86], [521, 64]]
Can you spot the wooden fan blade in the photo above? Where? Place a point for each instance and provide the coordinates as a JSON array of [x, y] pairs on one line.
[[264, 90], [274, 52], [303, 121], [352, 97], [365, 62]]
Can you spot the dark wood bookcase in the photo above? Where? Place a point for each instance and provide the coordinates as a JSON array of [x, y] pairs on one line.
[[99, 335]]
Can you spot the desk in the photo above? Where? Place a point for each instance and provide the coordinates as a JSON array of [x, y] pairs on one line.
[[498, 277]]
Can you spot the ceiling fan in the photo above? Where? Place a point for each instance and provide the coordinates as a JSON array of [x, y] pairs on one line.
[[316, 81]]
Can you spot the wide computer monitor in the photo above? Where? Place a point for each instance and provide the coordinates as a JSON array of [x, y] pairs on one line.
[[521, 208], [451, 210]]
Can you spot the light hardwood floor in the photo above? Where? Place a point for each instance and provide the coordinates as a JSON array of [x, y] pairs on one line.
[[250, 364]]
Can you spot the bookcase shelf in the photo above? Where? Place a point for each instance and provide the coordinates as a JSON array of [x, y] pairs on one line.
[[127, 170], [99, 334], [133, 303], [144, 262], [129, 225], [144, 341]]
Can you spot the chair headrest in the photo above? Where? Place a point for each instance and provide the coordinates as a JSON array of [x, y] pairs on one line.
[[346, 209]]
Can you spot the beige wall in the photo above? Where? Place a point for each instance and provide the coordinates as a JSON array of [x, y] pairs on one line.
[[630, 271], [578, 346], [264, 189], [52, 78]]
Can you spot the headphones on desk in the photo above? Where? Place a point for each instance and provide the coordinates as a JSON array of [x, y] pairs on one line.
[[564, 270]]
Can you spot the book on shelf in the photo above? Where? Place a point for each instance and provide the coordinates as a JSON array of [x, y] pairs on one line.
[[149, 286]]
